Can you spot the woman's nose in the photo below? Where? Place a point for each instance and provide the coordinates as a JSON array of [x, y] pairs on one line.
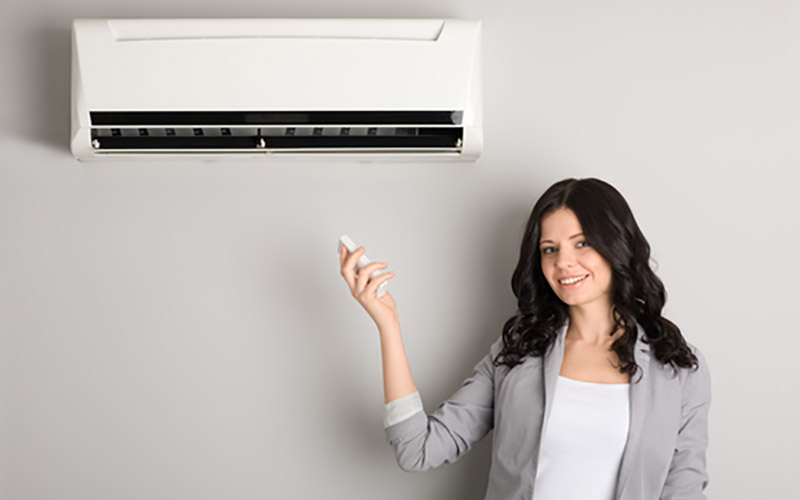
[[566, 260]]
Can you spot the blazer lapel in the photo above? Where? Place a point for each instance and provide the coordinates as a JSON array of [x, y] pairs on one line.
[[552, 367], [638, 399]]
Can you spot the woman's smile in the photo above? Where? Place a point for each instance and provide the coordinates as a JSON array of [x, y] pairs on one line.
[[574, 282]]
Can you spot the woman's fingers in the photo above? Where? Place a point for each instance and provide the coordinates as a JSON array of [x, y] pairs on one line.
[[342, 259], [360, 283], [348, 261], [363, 275], [372, 287]]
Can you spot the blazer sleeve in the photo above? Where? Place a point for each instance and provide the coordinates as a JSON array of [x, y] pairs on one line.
[[424, 441], [687, 476]]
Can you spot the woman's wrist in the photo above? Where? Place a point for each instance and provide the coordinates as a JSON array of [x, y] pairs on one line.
[[391, 329]]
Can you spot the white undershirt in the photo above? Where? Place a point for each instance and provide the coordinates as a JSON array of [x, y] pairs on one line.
[[583, 441]]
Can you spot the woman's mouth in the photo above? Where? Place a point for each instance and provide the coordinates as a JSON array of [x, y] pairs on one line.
[[575, 282]]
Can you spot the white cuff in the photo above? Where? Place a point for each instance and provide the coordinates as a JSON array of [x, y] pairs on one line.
[[397, 410]]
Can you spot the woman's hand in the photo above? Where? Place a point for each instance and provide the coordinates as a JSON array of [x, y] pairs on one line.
[[382, 310]]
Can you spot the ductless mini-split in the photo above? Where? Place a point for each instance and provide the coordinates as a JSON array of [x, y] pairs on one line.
[[382, 89]]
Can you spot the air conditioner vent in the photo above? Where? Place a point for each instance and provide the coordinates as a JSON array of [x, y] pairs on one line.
[[350, 89], [132, 118], [136, 138]]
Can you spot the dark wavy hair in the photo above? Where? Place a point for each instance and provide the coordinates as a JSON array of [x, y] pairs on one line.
[[637, 294]]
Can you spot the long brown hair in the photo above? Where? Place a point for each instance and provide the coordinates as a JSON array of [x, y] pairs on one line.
[[638, 295]]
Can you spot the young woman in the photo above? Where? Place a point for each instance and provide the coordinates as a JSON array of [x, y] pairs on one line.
[[591, 393]]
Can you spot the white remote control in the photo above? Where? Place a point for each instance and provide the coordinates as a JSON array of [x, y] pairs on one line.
[[346, 242]]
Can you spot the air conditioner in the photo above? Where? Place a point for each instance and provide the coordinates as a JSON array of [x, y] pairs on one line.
[[373, 89]]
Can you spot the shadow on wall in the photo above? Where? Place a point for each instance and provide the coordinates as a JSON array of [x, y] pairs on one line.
[[47, 77]]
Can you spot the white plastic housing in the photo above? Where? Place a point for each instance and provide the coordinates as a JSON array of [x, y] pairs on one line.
[[277, 65]]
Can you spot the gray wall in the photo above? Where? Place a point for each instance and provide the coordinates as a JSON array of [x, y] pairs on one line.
[[180, 330]]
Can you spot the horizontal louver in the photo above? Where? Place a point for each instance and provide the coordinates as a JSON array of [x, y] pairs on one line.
[[258, 130]]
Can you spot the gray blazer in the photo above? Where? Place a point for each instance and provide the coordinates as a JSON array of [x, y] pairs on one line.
[[664, 456]]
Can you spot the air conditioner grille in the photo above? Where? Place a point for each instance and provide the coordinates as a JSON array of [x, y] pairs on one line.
[[268, 118], [138, 138]]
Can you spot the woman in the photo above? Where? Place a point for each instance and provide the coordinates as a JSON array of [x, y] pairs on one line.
[[591, 393]]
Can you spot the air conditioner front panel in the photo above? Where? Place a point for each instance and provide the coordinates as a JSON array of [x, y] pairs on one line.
[[253, 87], [271, 73]]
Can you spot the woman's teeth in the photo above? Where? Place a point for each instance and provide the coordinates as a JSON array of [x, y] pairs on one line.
[[572, 280]]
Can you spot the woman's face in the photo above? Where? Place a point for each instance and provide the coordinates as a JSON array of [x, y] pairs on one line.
[[567, 254]]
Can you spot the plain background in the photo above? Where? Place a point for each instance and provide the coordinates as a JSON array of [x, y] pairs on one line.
[[181, 330]]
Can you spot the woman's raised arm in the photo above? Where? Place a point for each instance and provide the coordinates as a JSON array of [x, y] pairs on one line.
[[397, 380]]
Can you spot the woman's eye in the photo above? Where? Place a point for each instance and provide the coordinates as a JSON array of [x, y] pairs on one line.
[[546, 250]]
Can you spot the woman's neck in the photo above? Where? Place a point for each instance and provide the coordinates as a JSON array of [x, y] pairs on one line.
[[592, 323]]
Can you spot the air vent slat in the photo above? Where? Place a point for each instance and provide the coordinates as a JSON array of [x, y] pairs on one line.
[[403, 138], [254, 118]]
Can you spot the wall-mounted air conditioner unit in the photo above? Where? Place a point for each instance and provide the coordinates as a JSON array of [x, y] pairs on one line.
[[379, 89]]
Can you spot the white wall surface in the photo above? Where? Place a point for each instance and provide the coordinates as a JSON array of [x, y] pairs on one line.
[[180, 330]]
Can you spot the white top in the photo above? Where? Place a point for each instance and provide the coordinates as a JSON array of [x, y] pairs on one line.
[[582, 441]]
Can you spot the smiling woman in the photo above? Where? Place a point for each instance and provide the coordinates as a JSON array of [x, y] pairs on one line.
[[585, 229], [569, 420], [573, 264]]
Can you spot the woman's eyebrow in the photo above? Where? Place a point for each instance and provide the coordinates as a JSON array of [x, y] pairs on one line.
[[550, 241]]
